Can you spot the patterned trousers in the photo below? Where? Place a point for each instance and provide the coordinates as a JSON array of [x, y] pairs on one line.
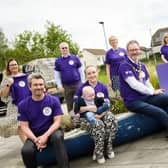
[[103, 132]]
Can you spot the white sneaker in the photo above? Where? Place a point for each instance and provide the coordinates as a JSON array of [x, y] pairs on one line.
[[94, 157], [101, 160], [111, 155]]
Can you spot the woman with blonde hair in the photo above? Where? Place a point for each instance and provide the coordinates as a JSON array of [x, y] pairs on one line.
[[164, 48]]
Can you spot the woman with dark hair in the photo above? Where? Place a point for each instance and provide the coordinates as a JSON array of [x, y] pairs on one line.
[[14, 88]]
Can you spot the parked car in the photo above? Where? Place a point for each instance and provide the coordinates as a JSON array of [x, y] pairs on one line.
[[3, 106], [44, 66]]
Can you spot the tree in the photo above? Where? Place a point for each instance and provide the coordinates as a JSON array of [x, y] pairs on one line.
[[3, 49], [32, 45]]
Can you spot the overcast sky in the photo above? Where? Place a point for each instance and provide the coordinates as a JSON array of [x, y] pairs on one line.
[[127, 19]]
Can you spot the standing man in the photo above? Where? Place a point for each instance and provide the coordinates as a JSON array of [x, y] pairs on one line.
[[114, 57], [69, 74], [136, 90], [40, 117]]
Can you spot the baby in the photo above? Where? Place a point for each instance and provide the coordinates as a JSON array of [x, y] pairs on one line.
[[89, 104]]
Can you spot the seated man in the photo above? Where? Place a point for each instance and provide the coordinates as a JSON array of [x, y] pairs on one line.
[[136, 90], [97, 104], [40, 116]]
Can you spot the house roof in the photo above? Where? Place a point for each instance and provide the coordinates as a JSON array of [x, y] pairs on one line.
[[95, 51]]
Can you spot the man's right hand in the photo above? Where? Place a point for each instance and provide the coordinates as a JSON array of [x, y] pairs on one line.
[[61, 90]]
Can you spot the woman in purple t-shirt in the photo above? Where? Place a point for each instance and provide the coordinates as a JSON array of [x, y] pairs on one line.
[[114, 57], [164, 48], [14, 88], [103, 132]]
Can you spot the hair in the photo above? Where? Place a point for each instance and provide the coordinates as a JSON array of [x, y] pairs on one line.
[[63, 43], [164, 37], [35, 76], [131, 42], [8, 72], [91, 66], [112, 37], [87, 89]]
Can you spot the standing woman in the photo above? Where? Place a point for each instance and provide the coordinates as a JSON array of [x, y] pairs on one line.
[[164, 48], [103, 132], [14, 88], [114, 57]]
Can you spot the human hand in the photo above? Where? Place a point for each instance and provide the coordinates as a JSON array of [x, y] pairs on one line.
[[92, 108], [158, 91], [9, 81], [98, 116], [61, 90]]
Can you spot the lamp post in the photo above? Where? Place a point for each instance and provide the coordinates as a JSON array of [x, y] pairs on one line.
[[105, 38]]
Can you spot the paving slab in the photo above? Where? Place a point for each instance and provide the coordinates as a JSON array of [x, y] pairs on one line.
[[148, 152]]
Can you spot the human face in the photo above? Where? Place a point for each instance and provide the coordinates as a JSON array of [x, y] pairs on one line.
[[92, 74], [64, 49], [89, 96], [37, 87], [113, 42], [133, 51], [13, 67]]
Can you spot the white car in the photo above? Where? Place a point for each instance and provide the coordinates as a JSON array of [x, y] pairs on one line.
[[44, 66]]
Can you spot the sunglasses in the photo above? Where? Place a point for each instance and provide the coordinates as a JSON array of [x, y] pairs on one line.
[[64, 48]]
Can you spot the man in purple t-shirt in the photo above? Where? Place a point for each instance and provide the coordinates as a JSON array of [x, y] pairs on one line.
[[40, 118], [136, 90], [69, 74]]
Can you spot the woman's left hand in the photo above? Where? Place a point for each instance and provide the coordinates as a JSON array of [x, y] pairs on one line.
[[98, 116]]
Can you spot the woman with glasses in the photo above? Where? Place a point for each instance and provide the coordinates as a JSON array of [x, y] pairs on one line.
[[14, 88], [164, 48], [114, 57]]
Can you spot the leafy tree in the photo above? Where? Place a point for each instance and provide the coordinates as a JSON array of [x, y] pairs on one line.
[[32, 45], [3, 49]]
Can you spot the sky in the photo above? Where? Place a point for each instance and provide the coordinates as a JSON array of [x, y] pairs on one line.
[[126, 19]]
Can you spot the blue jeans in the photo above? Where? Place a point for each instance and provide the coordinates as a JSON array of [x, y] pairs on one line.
[[155, 106], [90, 116]]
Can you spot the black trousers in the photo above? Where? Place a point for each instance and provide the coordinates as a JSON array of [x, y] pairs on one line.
[[56, 141]]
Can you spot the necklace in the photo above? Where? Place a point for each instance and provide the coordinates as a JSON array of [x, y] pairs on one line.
[[138, 69]]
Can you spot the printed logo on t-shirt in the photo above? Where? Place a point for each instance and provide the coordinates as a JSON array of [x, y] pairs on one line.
[[121, 54], [47, 111], [22, 83], [100, 94], [71, 62]]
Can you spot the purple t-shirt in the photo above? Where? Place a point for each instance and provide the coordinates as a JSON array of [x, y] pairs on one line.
[[19, 89], [130, 69], [100, 90], [114, 58], [39, 114], [164, 51], [68, 68]]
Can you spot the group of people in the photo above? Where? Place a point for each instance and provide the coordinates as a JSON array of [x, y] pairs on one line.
[[39, 114]]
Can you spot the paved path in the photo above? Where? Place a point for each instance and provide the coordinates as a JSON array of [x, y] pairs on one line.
[[149, 152]]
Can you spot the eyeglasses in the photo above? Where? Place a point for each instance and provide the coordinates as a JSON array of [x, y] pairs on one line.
[[64, 48], [134, 50], [13, 64]]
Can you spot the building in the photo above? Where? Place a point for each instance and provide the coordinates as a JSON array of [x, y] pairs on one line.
[[93, 56], [156, 40]]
